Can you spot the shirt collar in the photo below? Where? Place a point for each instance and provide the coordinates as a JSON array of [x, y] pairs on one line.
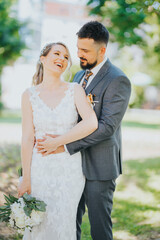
[[97, 68]]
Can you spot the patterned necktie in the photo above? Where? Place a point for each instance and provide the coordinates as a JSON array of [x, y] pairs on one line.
[[86, 77]]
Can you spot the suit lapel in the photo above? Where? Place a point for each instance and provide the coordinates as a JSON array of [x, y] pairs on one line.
[[102, 72], [79, 76], [98, 76]]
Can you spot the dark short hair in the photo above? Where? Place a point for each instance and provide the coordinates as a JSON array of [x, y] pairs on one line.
[[94, 30]]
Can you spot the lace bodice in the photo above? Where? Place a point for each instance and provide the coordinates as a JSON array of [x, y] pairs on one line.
[[54, 121]]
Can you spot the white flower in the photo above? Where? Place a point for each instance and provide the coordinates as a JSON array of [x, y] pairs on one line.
[[11, 222], [29, 221], [15, 207], [37, 217], [17, 210], [29, 228], [20, 222], [21, 201], [19, 219], [21, 231]]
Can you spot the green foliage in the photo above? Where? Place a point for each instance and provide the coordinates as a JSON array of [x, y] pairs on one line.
[[124, 17], [130, 23], [5, 210], [32, 204], [11, 40], [70, 74], [135, 216], [20, 172], [11, 31], [139, 97], [9, 116], [136, 124]]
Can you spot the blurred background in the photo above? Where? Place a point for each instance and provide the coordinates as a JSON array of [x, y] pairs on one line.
[[134, 26]]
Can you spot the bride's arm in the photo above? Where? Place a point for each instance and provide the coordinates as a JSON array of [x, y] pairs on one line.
[[27, 144], [86, 126]]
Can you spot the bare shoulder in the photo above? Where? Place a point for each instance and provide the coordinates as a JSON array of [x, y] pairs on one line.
[[26, 95], [78, 89]]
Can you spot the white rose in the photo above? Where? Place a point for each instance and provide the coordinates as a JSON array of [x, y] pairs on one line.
[[20, 222], [21, 231], [19, 212], [37, 217], [29, 221], [11, 222], [21, 201], [15, 207]]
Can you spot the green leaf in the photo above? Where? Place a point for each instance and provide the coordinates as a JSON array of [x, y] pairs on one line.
[[41, 206], [7, 199], [13, 199], [28, 198], [2, 208], [20, 172], [27, 211]]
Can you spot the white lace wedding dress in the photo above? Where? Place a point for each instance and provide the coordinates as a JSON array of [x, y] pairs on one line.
[[56, 179]]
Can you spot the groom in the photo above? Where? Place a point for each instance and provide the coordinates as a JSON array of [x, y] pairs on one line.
[[101, 151], [109, 90]]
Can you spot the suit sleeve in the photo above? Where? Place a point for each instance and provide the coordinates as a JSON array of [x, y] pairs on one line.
[[114, 105]]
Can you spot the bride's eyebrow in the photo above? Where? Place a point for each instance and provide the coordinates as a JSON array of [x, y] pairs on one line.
[[66, 55], [56, 51]]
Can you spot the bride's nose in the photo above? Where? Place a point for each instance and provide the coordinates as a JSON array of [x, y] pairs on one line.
[[62, 57]]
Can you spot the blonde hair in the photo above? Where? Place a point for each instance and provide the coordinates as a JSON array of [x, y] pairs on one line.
[[38, 76]]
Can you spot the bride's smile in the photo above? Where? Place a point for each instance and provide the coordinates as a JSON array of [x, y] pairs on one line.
[[56, 60]]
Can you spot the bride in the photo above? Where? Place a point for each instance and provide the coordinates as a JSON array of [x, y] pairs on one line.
[[52, 106]]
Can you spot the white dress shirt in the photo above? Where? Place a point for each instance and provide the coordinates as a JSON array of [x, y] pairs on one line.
[[94, 70]]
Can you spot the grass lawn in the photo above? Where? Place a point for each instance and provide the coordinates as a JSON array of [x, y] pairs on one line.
[[140, 124], [8, 116], [136, 211]]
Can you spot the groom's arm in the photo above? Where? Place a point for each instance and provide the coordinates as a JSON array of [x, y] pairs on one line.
[[115, 102]]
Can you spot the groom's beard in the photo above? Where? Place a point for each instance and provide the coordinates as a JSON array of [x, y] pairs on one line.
[[88, 65]]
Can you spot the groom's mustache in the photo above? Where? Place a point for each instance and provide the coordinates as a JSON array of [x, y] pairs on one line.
[[83, 58]]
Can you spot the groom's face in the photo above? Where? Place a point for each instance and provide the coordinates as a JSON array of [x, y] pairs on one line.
[[89, 53]]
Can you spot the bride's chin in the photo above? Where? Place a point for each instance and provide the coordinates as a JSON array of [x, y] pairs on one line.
[[56, 70]]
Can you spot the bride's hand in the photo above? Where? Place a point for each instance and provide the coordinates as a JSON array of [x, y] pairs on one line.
[[24, 187], [46, 145]]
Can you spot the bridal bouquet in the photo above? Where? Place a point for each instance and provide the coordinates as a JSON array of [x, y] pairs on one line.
[[22, 213]]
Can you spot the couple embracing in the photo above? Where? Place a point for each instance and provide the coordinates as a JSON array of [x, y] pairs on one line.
[[77, 155]]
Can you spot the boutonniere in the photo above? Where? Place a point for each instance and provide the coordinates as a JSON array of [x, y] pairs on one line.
[[90, 99]]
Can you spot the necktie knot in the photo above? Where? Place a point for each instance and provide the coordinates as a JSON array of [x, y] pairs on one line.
[[88, 74], [86, 77]]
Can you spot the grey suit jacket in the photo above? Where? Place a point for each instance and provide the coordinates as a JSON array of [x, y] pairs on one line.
[[101, 150]]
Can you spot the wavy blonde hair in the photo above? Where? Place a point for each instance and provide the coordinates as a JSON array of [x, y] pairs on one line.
[[38, 76]]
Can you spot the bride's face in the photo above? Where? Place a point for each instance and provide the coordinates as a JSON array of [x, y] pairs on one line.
[[57, 59]]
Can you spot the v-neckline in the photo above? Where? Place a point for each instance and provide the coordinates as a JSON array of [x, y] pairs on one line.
[[60, 102]]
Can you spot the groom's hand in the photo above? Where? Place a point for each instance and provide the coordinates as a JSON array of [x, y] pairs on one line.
[[60, 149]]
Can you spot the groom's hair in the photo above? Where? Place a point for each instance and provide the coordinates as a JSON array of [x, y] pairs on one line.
[[94, 30]]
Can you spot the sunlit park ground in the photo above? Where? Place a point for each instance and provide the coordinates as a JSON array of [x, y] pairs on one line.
[[136, 211]]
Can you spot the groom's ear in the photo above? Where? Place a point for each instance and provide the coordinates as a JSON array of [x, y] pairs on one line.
[[102, 50]]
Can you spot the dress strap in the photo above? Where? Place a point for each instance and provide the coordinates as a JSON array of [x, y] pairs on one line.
[[33, 95]]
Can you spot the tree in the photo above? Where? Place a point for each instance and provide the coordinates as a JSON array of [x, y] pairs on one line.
[[131, 23], [11, 41]]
